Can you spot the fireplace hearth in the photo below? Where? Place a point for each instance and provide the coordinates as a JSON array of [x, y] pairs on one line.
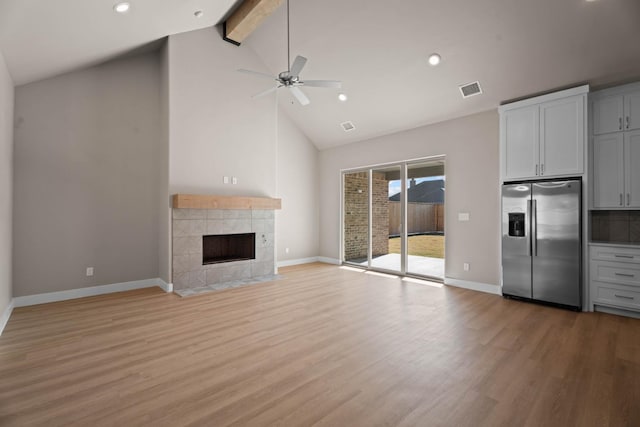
[[219, 248]]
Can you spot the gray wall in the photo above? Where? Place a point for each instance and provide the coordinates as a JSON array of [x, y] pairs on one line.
[[87, 158], [216, 129], [6, 183], [164, 202], [472, 168]]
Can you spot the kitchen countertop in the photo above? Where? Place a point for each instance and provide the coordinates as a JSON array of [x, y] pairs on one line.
[[623, 244]]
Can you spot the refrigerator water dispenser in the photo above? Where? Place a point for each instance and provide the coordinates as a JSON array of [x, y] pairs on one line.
[[516, 225]]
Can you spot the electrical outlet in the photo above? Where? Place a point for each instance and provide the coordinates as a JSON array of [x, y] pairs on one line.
[[225, 179], [89, 271], [234, 180], [286, 250], [466, 266], [463, 216]]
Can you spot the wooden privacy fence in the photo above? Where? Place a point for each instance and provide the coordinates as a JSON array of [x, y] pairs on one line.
[[421, 218]]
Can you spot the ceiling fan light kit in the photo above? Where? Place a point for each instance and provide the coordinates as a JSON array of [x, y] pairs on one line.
[[291, 78]]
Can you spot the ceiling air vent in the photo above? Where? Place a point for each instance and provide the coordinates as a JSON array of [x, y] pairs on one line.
[[470, 89], [347, 126]]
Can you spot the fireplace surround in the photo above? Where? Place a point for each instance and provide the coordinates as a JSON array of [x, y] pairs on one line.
[[251, 220]]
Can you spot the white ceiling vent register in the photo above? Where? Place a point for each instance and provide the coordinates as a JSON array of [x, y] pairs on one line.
[[348, 126], [470, 89]]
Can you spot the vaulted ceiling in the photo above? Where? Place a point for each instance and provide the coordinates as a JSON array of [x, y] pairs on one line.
[[378, 48]]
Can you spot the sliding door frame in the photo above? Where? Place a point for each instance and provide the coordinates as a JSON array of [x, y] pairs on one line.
[[404, 168]]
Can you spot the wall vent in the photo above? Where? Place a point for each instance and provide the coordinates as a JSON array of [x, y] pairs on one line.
[[347, 126], [470, 89]]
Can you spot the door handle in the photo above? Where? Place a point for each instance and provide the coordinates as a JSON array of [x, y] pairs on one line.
[[625, 274], [534, 227], [528, 232]]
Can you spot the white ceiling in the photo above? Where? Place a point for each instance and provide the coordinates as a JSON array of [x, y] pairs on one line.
[[43, 38], [378, 48]]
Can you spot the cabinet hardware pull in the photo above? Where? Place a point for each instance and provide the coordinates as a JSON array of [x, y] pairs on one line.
[[623, 256], [536, 170], [623, 296], [628, 199], [542, 169], [620, 199], [625, 275], [627, 122], [619, 123]]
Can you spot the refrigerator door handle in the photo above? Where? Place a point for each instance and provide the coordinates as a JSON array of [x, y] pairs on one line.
[[528, 229], [534, 226]]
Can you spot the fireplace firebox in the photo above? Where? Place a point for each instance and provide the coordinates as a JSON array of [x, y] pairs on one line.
[[220, 248]]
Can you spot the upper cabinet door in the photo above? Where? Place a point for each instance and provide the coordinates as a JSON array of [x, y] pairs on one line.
[[562, 131], [608, 114], [608, 171], [519, 128], [632, 169], [632, 111]]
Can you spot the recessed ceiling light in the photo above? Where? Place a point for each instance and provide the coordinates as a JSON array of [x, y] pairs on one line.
[[122, 7], [434, 59], [198, 13], [342, 97]]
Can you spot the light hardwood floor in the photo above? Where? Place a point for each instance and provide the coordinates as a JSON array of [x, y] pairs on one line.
[[323, 346]]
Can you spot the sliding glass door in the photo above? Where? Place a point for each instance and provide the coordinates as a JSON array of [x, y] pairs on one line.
[[393, 218]]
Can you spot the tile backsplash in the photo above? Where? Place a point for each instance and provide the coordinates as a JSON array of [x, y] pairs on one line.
[[615, 226]]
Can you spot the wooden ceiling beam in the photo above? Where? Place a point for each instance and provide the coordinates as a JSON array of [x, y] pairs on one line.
[[247, 17]]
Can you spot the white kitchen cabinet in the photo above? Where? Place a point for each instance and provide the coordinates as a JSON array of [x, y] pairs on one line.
[[544, 137], [520, 129], [562, 136], [615, 277], [608, 171], [616, 182], [616, 111], [632, 168]]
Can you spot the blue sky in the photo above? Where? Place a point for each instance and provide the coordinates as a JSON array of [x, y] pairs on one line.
[[394, 186]]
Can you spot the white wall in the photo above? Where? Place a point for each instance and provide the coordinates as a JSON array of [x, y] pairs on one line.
[[6, 185], [472, 170], [87, 177], [216, 129]]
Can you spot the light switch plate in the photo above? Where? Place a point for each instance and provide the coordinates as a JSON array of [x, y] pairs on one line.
[[463, 216], [225, 179]]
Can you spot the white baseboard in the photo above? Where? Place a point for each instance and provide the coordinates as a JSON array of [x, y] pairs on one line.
[[5, 315], [474, 286], [298, 261], [328, 260], [90, 291], [167, 287]]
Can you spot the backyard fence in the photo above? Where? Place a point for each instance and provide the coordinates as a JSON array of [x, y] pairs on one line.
[[421, 218]]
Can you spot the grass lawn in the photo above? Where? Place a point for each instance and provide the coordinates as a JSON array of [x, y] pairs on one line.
[[429, 246]]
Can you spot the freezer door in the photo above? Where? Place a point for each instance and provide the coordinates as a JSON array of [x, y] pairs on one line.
[[516, 243], [556, 243]]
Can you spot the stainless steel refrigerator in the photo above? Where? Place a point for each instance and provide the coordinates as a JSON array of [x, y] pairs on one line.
[[541, 244]]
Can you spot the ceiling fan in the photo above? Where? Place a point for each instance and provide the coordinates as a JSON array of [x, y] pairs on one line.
[[291, 78]]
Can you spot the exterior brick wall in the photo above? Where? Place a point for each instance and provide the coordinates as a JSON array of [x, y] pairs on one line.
[[356, 200]]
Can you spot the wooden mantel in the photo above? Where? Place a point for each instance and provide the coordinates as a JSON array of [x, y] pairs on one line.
[[200, 201]]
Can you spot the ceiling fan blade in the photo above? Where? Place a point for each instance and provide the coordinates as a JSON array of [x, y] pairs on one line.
[[257, 74], [297, 66], [299, 95], [265, 92], [323, 83]]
